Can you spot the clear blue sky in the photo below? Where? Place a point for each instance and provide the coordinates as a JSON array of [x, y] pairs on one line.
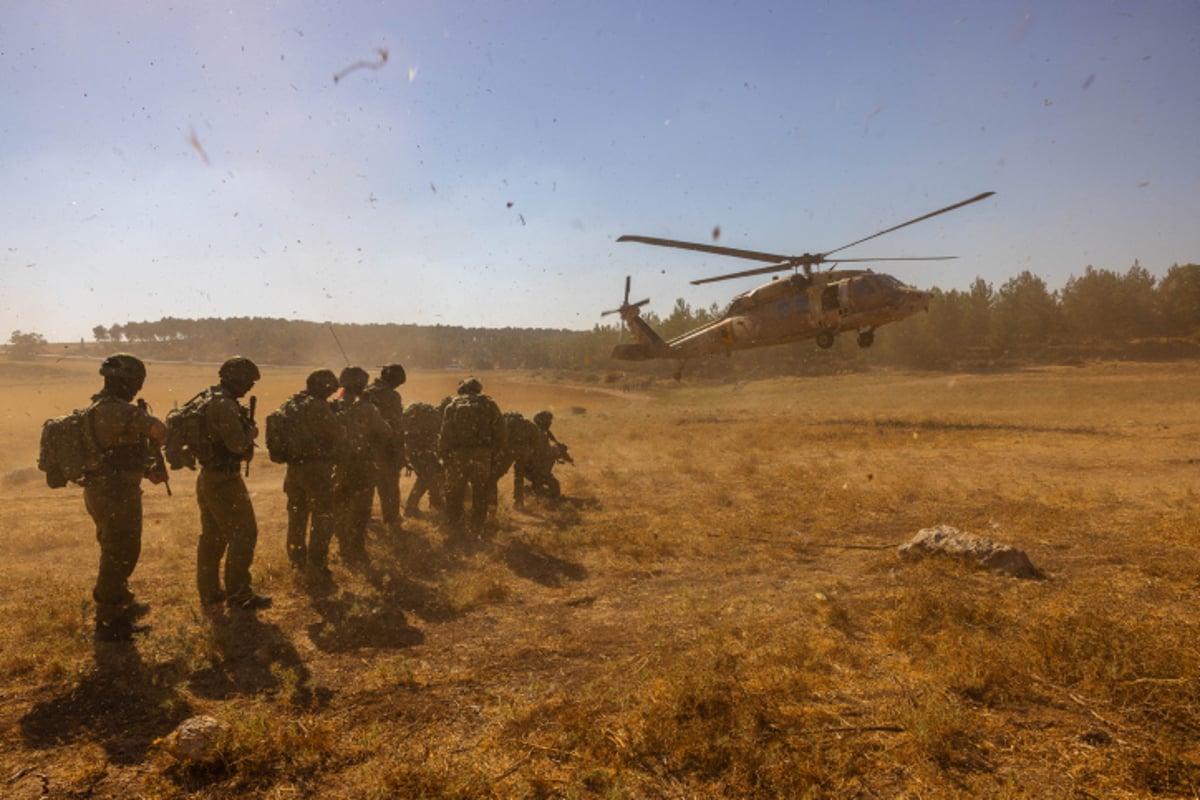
[[482, 175]]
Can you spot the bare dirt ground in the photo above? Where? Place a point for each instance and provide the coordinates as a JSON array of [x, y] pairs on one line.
[[715, 610]]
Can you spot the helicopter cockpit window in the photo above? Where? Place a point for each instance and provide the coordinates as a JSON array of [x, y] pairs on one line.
[[888, 282], [862, 287]]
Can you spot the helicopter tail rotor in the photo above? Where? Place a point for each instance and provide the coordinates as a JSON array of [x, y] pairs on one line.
[[625, 306]]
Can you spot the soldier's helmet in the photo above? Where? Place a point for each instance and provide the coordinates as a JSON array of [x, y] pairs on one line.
[[543, 419], [239, 369], [123, 366], [322, 383], [470, 386], [393, 375], [238, 375], [354, 379]]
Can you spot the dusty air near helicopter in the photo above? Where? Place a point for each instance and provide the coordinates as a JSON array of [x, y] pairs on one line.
[[809, 304]]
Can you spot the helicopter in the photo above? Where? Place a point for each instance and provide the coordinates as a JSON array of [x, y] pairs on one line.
[[809, 304]]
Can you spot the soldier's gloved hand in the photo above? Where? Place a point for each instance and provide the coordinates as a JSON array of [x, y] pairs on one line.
[[252, 430], [157, 475]]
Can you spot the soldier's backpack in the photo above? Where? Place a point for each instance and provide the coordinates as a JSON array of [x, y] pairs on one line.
[[285, 431], [68, 448], [468, 421], [522, 433], [422, 422], [187, 434]]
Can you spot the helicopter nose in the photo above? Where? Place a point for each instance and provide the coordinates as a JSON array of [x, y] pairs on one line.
[[917, 300]]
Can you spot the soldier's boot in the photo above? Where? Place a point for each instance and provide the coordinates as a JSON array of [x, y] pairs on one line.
[[250, 602], [120, 629]]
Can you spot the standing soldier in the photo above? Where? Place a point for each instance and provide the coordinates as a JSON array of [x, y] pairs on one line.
[[314, 439], [382, 392], [472, 435], [228, 528], [354, 475], [422, 422], [124, 434]]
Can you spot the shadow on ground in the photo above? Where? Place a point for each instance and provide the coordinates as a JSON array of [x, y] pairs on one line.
[[122, 704]]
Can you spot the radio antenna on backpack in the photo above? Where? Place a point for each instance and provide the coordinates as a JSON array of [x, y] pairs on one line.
[[338, 341]]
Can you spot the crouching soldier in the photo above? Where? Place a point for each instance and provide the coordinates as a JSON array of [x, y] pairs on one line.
[[128, 439], [518, 453], [548, 452]]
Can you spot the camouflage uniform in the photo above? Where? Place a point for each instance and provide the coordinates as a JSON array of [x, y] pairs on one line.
[[354, 474], [472, 434], [421, 425], [228, 527], [540, 468], [309, 480], [518, 453], [112, 495], [382, 393]]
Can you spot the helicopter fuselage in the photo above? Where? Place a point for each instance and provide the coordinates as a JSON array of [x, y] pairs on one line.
[[787, 310]]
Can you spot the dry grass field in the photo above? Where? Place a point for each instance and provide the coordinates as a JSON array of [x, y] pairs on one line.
[[716, 610]]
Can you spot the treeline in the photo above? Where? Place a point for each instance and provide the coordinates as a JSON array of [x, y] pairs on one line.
[[281, 341], [1101, 313]]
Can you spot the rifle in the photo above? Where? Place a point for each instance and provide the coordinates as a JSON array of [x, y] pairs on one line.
[[253, 406], [562, 456], [160, 464]]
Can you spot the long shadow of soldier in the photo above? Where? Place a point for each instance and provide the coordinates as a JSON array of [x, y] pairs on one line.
[[349, 621], [561, 513], [122, 703], [535, 564], [253, 657]]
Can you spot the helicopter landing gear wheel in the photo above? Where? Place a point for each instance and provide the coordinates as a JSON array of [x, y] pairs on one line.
[[825, 340], [866, 338]]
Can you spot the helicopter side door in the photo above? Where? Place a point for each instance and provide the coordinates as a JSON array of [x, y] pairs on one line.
[[834, 303]]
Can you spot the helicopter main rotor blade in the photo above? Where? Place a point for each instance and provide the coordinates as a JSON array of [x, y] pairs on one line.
[[967, 202], [891, 258], [743, 274], [753, 255], [782, 267]]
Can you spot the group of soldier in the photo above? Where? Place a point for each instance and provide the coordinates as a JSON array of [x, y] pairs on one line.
[[339, 451]]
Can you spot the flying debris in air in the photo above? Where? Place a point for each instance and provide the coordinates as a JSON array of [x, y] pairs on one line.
[[383, 57], [195, 143]]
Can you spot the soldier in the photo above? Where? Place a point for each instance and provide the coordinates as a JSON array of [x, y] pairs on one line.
[[354, 475], [317, 438], [422, 422], [382, 392], [128, 438], [518, 453], [228, 528], [472, 434], [549, 451]]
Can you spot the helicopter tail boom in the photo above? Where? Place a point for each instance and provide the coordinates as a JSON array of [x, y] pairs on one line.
[[648, 344]]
